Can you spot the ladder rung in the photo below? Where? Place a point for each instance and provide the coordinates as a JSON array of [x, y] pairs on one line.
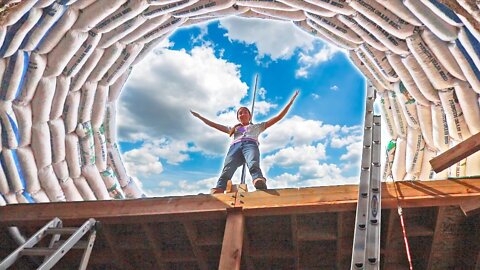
[[66, 230], [38, 251]]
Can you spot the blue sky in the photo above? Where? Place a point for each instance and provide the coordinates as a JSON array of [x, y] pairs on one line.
[[210, 68]]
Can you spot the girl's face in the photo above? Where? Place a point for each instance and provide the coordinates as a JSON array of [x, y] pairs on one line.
[[243, 115]]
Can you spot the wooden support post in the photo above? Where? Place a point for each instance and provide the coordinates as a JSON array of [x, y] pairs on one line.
[[231, 255], [457, 153]]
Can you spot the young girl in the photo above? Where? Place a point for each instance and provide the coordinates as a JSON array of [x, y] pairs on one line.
[[244, 147]]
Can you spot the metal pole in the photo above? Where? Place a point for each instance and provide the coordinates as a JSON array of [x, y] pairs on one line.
[[242, 181]]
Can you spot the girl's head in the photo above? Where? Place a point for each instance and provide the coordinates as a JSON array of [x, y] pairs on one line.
[[244, 115]]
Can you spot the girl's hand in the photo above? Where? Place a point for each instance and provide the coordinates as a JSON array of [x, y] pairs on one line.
[[195, 114], [294, 96]]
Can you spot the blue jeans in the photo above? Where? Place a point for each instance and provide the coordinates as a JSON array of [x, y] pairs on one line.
[[239, 153]]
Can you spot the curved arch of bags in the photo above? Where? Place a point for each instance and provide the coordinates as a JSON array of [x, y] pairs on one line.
[[63, 64]]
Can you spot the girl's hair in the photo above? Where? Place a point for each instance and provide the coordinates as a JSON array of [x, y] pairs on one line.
[[239, 124]]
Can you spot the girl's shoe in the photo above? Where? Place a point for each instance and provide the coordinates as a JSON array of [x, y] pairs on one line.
[[260, 183], [217, 191]]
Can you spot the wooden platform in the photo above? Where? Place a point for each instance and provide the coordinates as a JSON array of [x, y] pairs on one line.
[[306, 228]]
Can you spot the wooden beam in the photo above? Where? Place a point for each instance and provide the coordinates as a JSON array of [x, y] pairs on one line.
[[192, 237], [471, 207], [157, 252], [231, 255], [456, 153], [340, 240], [295, 241]]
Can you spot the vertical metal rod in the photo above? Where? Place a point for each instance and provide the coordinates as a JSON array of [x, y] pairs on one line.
[[242, 181]]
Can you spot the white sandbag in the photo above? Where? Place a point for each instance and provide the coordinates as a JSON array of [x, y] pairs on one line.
[[383, 17], [110, 122], [387, 113], [14, 75], [471, 45], [57, 32], [122, 31], [398, 166], [98, 108], [407, 104], [472, 168], [132, 190], [36, 66], [205, 6], [436, 73], [398, 8], [15, 13], [29, 169], [382, 80], [24, 197], [420, 78], [155, 11], [84, 189], [307, 7], [41, 145], [62, 53], [81, 77], [425, 121], [117, 87], [40, 196], [329, 36], [426, 173], [279, 14], [61, 91], [337, 6], [95, 13], [390, 154], [276, 5], [70, 111], [457, 126], [3, 67], [379, 59], [80, 57], [87, 144], [364, 71], [3, 33], [440, 28], [144, 28], [466, 23], [407, 80], [106, 61], [11, 198], [73, 155], [50, 184], [95, 182], [467, 98], [23, 115], [444, 12], [396, 45], [362, 32], [70, 190], [114, 160], [10, 132], [168, 26], [13, 170], [471, 72], [42, 100], [122, 64], [57, 133], [100, 149], [81, 4], [149, 46], [2, 201], [113, 187], [12, 43], [441, 137], [61, 170], [336, 27], [125, 12], [86, 102], [43, 3], [458, 169], [442, 53], [4, 187], [51, 15], [414, 152], [398, 116]]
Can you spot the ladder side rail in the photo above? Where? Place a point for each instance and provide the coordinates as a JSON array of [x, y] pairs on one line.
[[88, 250], [32, 241]]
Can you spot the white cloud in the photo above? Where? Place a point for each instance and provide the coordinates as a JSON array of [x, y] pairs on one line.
[[334, 88], [315, 96], [263, 107], [308, 62], [297, 155], [354, 152], [141, 162], [279, 40]]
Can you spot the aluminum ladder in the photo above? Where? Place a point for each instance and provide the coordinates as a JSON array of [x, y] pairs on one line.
[[57, 248], [366, 240]]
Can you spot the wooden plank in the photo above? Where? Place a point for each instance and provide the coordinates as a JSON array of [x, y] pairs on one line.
[[295, 241], [231, 255], [340, 240], [471, 207], [246, 251], [192, 234], [120, 261], [157, 252], [456, 153]]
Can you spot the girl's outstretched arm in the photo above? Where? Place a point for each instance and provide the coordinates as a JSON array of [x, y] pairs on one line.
[[279, 117], [222, 128]]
